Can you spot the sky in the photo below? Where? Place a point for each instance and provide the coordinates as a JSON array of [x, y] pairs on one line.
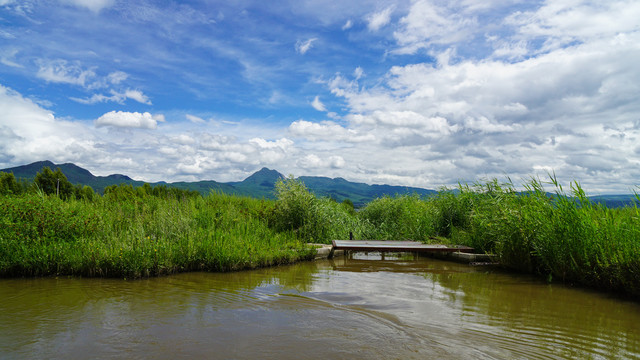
[[414, 93]]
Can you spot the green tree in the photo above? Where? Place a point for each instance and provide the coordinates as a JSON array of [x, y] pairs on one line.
[[54, 183], [85, 192], [294, 204], [9, 185]]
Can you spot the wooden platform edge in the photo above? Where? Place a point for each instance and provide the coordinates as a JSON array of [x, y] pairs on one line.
[[389, 246]]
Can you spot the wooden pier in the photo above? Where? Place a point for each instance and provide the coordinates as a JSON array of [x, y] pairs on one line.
[[395, 246]]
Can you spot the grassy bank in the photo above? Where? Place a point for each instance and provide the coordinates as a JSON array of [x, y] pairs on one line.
[[139, 236], [146, 232], [561, 237]]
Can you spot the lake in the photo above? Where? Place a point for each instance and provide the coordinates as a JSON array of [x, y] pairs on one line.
[[365, 306]]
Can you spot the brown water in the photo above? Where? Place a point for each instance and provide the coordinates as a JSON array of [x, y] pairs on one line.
[[358, 308]]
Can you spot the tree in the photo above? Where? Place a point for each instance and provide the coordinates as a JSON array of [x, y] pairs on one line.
[[83, 192], [9, 185], [54, 183]]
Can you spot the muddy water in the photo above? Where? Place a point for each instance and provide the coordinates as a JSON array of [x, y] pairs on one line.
[[358, 308]]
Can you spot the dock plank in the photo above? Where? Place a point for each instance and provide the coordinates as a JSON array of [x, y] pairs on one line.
[[396, 246]]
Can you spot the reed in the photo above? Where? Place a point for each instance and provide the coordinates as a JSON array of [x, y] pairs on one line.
[[135, 237], [558, 235], [137, 233]]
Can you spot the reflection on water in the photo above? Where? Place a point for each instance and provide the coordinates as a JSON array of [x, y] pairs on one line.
[[360, 307]]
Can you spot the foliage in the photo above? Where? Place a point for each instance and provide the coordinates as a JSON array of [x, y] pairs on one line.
[[312, 219], [146, 230], [9, 185], [43, 235], [566, 237], [54, 183], [400, 218], [294, 204]]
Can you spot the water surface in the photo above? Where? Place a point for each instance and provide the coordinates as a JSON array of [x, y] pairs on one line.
[[357, 308]]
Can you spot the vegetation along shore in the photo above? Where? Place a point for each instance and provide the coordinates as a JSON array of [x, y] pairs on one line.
[[51, 227]]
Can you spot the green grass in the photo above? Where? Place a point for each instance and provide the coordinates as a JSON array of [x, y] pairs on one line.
[[565, 237], [143, 232], [138, 237]]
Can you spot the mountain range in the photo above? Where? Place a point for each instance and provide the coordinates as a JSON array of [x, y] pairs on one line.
[[259, 185]]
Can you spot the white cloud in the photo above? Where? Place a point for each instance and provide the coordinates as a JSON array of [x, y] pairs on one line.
[[7, 57], [195, 119], [517, 116], [327, 131], [318, 105], [375, 21], [158, 117], [303, 46], [60, 71], [282, 144], [124, 119], [93, 5], [313, 161], [117, 77], [118, 97], [499, 87], [30, 133], [137, 95], [561, 23], [428, 23], [358, 73]]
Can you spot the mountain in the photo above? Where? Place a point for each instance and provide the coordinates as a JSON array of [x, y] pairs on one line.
[[261, 185], [74, 173], [359, 193]]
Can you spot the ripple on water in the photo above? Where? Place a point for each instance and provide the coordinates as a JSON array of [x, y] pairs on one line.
[[364, 308]]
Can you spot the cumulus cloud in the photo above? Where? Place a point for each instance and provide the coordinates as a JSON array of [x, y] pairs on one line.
[[303, 46], [561, 23], [281, 144], [123, 119], [313, 161], [428, 23], [499, 88], [327, 131], [29, 133], [501, 114]]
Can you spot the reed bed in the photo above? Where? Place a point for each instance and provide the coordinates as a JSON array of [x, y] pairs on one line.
[[558, 235], [139, 236], [139, 232]]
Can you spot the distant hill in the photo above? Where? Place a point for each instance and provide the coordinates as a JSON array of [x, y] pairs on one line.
[[614, 201], [74, 173], [261, 185], [359, 193]]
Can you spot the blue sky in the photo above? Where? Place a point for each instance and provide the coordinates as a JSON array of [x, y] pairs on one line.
[[418, 93]]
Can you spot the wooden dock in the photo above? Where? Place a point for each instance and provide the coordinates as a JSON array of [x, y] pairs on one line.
[[395, 246]]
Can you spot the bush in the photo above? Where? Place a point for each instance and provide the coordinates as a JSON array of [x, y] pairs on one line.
[[405, 217]]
